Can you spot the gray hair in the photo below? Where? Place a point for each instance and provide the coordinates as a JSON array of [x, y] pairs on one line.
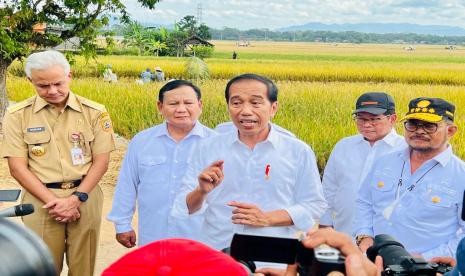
[[44, 60]]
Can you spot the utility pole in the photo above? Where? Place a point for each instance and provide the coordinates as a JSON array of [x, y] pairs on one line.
[[199, 13]]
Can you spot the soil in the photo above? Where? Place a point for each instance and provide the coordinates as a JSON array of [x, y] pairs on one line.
[[109, 249]]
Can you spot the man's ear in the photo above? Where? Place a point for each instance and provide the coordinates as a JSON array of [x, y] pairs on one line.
[[451, 130], [274, 109], [159, 106]]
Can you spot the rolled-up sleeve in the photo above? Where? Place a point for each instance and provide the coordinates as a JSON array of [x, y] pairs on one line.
[[308, 196]]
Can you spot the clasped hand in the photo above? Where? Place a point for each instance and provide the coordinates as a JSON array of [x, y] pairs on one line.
[[64, 209]]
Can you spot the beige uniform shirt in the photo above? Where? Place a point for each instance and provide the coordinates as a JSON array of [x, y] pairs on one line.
[[33, 129]]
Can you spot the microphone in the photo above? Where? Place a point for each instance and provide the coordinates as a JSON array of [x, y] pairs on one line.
[[17, 211]]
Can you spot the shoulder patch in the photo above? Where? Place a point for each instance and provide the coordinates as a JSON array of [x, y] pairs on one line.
[[20, 105], [89, 103]]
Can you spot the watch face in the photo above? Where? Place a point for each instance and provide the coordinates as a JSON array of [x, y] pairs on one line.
[[83, 197]]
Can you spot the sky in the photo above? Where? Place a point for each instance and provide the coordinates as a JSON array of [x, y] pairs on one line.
[[273, 14]]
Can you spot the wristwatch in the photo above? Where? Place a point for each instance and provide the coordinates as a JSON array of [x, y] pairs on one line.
[[359, 238], [81, 196]]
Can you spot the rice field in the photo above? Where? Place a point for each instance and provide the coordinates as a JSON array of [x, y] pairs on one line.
[[317, 90]]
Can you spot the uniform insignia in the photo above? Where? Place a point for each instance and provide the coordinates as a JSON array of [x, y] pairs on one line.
[[35, 129], [380, 184], [435, 199], [37, 151], [423, 103], [79, 122], [105, 121]]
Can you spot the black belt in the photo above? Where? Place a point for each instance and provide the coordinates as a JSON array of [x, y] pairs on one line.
[[64, 185]]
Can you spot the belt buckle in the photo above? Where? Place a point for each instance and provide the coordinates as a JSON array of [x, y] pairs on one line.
[[67, 185]]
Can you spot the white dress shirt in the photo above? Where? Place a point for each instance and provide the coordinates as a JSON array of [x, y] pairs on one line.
[[151, 174], [229, 126], [425, 219], [348, 164], [292, 184]]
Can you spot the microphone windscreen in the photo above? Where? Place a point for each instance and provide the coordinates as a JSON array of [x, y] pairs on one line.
[[24, 209]]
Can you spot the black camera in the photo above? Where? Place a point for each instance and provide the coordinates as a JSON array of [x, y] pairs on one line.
[[397, 261], [22, 252], [312, 262]]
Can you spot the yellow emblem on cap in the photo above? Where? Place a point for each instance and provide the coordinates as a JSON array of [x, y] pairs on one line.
[[431, 110], [37, 151], [417, 109], [423, 103], [435, 199], [380, 184]]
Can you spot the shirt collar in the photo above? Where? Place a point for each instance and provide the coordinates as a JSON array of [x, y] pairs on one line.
[[389, 139], [442, 158], [198, 130], [72, 102], [273, 137]]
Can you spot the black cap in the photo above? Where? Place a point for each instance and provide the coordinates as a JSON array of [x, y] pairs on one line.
[[431, 110], [375, 103]]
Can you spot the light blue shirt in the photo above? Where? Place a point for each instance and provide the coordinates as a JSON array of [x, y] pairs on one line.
[[348, 164], [151, 175], [291, 183], [427, 219]]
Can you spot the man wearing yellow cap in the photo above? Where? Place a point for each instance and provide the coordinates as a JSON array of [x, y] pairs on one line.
[[416, 195]]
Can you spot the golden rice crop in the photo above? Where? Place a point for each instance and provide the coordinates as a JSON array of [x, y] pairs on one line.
[[317, 112]]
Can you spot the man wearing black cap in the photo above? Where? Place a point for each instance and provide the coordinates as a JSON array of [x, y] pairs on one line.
[[416, 195], [353, 156]]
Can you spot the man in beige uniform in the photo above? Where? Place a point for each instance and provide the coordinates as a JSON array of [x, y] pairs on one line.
[[58, 146]]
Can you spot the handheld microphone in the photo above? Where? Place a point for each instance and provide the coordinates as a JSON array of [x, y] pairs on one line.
[[17, 211]]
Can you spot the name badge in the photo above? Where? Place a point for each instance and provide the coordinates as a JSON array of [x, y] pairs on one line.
[[36, 129], [76, 156]]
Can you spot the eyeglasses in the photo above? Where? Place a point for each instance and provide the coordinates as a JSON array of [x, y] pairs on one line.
[[414, 125], [371, 121]]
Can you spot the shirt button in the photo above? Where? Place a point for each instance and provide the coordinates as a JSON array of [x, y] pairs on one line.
[[176, 161]]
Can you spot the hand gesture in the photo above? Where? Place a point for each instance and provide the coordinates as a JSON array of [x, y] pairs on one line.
[[211, 177], [249, 214]]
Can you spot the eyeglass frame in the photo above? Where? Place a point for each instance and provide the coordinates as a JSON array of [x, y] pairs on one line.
[[422, 125], [371, 121]]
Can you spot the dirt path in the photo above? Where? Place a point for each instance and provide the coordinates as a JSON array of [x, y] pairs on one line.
[[109, 250]]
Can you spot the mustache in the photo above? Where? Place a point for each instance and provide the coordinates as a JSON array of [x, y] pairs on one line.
[[420, 137]]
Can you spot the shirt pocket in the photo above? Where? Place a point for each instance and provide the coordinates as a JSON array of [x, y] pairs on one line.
[[383, 191], [153, 169], [38, 144]]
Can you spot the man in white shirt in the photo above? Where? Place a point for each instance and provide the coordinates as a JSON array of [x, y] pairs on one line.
[[154, 166], [255, 180], [416, 195], [353, 156]]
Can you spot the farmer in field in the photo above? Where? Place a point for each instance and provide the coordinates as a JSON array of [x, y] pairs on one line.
[[255, 180], [352, 157], [58, 147], [158, 75], [416, 194], [154, 165]]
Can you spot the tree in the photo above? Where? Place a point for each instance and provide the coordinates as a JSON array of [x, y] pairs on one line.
[[204, 32], [79, 19], [188, 24], [176, 42]]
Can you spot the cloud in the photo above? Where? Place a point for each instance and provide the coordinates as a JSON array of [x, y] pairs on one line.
[[247, 14]]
